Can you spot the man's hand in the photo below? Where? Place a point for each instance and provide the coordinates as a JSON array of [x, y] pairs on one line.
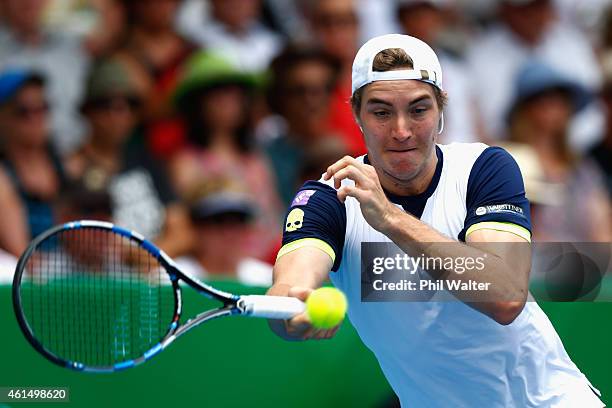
[[375, 207], [299, 327]]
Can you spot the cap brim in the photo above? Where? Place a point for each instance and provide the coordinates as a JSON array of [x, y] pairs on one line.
[[579, 96], [186, 90], [222, 204], [16, 81]]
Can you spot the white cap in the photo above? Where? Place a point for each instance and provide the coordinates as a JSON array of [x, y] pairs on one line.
[[426, 65]]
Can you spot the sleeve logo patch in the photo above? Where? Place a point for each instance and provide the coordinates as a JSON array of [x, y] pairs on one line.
[[499, 208], [302, 197], [295, 220]]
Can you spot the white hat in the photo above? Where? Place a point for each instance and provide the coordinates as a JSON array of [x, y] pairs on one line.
[[426, 65]]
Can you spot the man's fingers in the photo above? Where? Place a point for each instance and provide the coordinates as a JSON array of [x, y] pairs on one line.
[[300, 293], [340, 164], [298, 325], [351, 172], [351, 191]]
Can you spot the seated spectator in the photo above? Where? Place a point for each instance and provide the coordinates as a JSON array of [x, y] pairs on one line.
[[529, 29], [84, 200], [335, 26], [158, 52], [214, 99], [13, 223], [300, 92], [31, 173], [544, 104], [61, 56], [8, 263], [233, 30], [601, 153], [223, 216], [143, 200]]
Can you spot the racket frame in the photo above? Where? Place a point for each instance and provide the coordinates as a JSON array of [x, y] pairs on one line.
[[231, 303]]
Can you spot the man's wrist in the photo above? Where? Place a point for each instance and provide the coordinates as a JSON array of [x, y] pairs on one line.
[[392, 220]]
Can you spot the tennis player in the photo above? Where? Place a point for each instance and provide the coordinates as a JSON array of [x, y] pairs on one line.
[[501, 351]]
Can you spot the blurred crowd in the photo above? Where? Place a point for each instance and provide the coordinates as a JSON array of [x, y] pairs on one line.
[[195, 121]]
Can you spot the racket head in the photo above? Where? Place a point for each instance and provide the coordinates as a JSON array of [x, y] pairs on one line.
[[92, 296]]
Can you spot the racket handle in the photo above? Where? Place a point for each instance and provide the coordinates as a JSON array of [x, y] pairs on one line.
[[271, 307]]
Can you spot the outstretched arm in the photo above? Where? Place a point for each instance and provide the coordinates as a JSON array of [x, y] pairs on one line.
[[297, 274], [312, 247]]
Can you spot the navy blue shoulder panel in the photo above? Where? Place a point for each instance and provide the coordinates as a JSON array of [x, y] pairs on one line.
[[495, 191], [316, 212]]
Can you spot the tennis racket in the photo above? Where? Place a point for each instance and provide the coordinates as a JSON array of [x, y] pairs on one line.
[[94, 297]]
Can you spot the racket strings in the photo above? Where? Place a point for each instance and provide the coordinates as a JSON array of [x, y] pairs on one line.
[[95, 297]]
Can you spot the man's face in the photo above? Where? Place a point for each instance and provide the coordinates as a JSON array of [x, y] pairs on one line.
[[423, 21], [307, 92], [529, 21], [237, 14], [336, 26], [113, 118], [156, 14], [24, 15], [400, 123], [26, 118]]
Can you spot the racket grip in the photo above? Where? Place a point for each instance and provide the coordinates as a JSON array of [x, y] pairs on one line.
[[271, 307]]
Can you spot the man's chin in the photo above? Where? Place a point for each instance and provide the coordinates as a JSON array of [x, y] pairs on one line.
[[400, 173]]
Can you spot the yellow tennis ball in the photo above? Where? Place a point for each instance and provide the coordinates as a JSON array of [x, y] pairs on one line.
[[326, 307]]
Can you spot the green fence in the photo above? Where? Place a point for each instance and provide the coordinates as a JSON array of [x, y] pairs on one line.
[[239, 362]]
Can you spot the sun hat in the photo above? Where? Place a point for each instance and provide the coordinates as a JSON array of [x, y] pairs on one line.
[[205, 70], [536, 77]]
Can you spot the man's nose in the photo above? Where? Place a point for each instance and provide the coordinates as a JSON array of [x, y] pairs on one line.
[[401, 128]]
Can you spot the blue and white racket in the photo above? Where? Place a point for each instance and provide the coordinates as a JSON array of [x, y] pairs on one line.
[[95, 297]]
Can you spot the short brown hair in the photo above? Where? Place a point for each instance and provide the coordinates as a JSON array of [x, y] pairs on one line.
[[389, 60]]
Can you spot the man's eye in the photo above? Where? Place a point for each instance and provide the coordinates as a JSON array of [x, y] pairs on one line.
[[420, 110], [381, 114]]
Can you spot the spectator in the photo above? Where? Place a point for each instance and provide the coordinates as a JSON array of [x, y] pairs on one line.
[[84, 200], [61, 56], [528, 29], [214, 98], [31, 170], [335, 26], [8, 263], [300, 91], [222, 212], [233, 30], [158, 52], [602, 151], [427, 20], [13, 224], [543, 106], [142, 197]]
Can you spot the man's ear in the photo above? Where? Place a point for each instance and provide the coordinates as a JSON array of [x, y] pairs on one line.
[[357, 120]]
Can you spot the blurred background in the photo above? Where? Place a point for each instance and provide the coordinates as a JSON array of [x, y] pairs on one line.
[[195, 121]]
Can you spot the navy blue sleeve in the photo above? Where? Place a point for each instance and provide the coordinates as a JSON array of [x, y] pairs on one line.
[[316, 212], [495, 192]]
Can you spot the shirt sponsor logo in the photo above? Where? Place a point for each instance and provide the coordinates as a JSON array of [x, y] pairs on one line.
[[499, 208], [302, 197]]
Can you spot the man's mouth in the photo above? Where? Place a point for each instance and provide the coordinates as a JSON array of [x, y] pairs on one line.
[[402, 150]]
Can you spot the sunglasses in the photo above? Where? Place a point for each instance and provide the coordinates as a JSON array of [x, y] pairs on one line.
[[329, 20], [302, 90], [24, 111], [116, 103]]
